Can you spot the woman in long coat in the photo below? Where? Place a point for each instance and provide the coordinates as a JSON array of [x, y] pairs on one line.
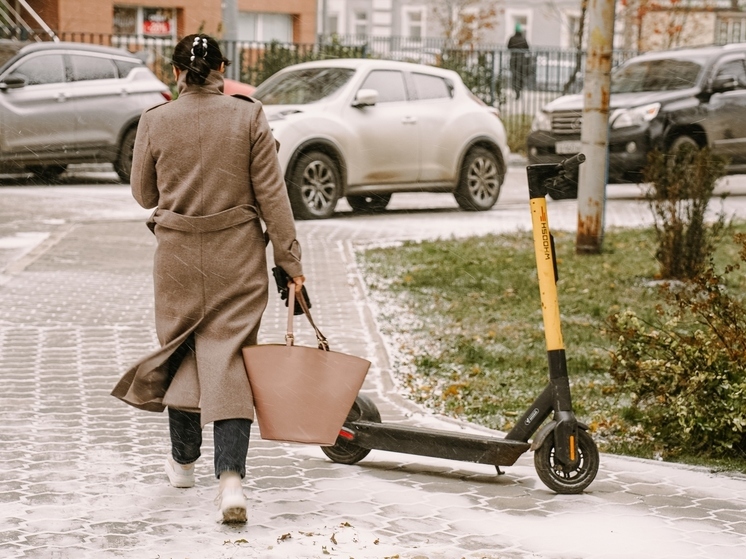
[[208, 163]]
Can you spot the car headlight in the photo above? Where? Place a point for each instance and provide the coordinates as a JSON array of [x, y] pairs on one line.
[[636, 116], [542, 121]]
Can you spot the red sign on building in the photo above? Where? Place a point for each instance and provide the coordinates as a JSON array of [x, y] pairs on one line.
[[157, 22]]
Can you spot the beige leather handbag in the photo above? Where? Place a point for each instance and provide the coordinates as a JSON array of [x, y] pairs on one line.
[[302, 394]]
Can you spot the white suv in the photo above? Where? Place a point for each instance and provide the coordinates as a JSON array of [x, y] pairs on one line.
[[66, 103], [364, 129]]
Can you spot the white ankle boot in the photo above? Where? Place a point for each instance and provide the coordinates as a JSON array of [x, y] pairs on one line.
[[231, 500], [180, 475]]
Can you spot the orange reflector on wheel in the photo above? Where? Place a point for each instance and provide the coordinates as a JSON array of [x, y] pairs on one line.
[[572, 448]]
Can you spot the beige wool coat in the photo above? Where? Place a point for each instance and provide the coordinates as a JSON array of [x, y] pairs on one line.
[[208, 162]]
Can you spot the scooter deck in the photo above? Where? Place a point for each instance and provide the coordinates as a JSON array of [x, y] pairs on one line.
[[435, 443]]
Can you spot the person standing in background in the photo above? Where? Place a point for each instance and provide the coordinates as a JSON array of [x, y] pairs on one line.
[[519, 59]]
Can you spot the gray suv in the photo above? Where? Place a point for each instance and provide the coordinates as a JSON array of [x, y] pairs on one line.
[[64, 103], [660, 100]]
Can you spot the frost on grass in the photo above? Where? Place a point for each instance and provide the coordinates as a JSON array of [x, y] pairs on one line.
[[407, 338]]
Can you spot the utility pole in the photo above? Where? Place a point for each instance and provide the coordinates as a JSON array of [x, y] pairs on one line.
[[230, 20], [594, 132], [324, 16], [230, 34]]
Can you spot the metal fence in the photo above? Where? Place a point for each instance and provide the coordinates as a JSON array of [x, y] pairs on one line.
[[490, 71]]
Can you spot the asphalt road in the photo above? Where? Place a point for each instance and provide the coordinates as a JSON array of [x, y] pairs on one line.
[[32, 213]]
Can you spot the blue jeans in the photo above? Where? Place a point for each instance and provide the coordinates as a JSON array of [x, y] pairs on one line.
[[231, 441]]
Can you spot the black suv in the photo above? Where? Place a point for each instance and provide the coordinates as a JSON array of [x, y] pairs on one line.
[[658, 100]]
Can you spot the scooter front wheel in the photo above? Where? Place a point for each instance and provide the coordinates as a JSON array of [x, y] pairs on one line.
[[567, 480], [344, 451]]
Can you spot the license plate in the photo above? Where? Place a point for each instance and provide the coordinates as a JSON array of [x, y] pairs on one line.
[[568, 147]]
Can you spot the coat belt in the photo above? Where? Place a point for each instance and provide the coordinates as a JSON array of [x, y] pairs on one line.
[[205, 223]]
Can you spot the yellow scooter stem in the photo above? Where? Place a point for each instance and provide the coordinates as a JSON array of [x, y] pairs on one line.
[[547, 271], [541, 179]]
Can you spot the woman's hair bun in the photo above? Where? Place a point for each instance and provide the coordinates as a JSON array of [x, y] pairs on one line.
[[199, 47], [197, 55]]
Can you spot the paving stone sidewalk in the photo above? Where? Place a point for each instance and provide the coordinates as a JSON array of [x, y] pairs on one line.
[[81, 474]]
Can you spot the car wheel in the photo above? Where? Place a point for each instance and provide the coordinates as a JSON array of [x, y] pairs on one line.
[[480, 181], [48, 172], [681, 141], [369, 204], [123, 163], [314, 186]]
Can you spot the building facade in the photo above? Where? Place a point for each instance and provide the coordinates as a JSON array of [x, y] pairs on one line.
[[258, 20], [547, 23], [668, 24]]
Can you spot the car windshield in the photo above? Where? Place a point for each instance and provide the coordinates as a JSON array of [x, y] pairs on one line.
[[301, 87], [664, 74]]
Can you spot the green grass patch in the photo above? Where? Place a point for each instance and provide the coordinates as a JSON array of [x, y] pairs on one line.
[[464, 319]]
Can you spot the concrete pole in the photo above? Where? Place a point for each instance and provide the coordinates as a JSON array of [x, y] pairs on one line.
[[230, 20], [230, 37], [324, 16], [594, 133]]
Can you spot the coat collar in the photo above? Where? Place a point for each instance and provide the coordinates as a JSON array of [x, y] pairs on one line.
[[213, 84]]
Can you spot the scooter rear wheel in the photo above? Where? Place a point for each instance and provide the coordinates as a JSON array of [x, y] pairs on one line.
[[563, 479], [347, 452]]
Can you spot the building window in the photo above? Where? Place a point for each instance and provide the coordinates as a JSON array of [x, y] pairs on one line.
[[145, 22], [570, 35], [518, 17], [469, 23], [414, 23], [265, 27], [332, 24], [158, 23], [125, 20], [360, 23], [731, 30]]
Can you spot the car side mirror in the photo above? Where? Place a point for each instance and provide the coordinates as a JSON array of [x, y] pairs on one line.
[[726, 82], [365, 98], [14, 81]]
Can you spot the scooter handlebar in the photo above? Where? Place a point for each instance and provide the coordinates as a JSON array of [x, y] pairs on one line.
[[570, 165], [553, 177]]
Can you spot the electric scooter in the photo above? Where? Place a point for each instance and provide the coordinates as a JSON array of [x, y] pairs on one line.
[[565, 457]]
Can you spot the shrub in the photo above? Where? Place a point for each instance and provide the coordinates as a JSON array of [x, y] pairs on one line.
[[276, 56], [518, 127], [476, 71], [686, 370], [681, 186]]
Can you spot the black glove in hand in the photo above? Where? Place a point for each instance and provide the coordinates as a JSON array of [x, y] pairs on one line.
[[283, 279]]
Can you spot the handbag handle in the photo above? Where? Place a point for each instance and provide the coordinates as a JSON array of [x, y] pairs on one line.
[[289, 336]]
